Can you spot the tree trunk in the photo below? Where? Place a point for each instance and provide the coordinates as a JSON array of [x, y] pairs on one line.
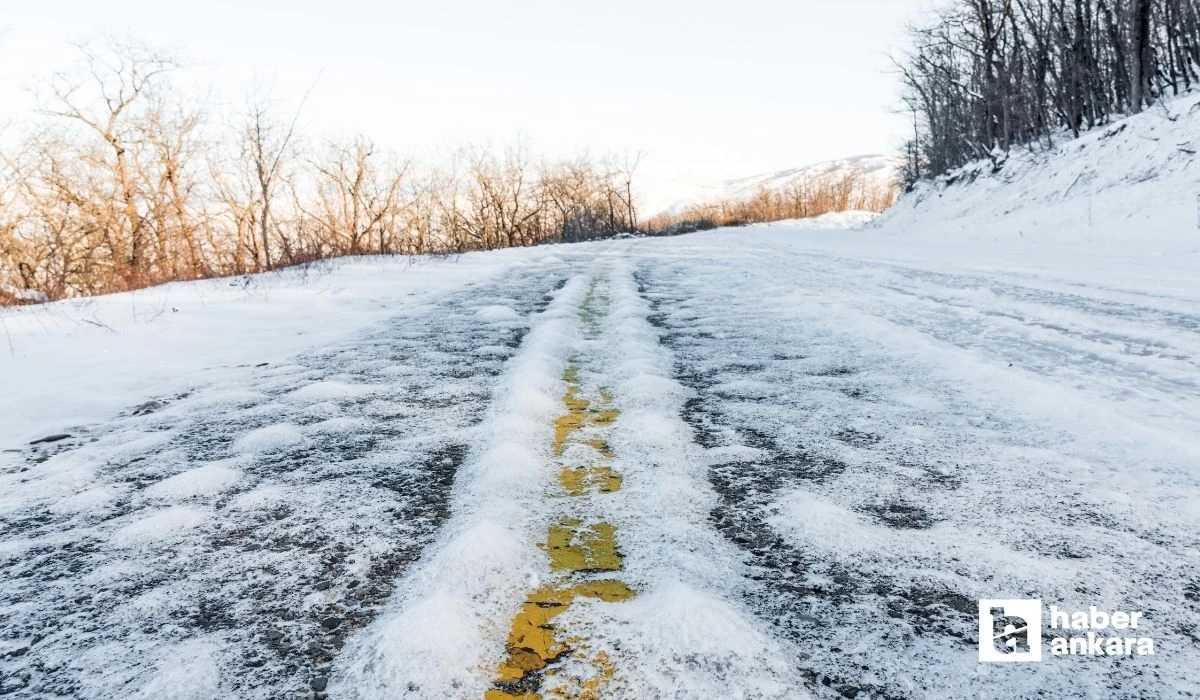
[[1140, 71]]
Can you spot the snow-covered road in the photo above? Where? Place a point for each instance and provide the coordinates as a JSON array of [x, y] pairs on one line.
[[752, 463]]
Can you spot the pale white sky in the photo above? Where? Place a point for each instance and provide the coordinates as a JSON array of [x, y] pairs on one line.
[[710, 90]]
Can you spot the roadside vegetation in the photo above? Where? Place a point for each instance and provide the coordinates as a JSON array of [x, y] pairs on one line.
[[984, 76], [124, 181]]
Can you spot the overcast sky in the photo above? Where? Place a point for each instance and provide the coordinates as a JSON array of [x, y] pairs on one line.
[[710, 90]]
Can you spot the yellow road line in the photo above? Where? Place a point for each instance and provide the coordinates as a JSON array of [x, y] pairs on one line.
[[578, 552], [579, 480], [579, 549]]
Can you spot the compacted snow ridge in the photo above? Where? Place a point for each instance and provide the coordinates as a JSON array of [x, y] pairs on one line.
[[683, 631]]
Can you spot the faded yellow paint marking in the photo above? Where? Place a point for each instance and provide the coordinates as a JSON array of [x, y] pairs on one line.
[[580, 414], [495, 694], [588, 688], [576, 552], [604, 418], [572, 547], [571, 421], [532, 645], [578, 480], [600, 446], [531, 641], [589, 313]]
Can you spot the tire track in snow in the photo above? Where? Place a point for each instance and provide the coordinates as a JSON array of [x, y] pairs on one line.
[[749, 467], [1137, 359]]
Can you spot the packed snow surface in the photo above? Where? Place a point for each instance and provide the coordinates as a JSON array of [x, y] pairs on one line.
[[773, 462]]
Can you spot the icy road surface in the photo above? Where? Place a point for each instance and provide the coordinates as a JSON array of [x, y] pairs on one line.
[[729, 465]]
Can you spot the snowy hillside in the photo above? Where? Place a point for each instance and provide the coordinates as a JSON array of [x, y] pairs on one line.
[[877, 169], [880, 170], [1134, 184]]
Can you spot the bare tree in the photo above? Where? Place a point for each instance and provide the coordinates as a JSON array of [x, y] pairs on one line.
[[123, 182], [266, 146], [358, 200], [118, 77], [985, 75], [1140, 58]]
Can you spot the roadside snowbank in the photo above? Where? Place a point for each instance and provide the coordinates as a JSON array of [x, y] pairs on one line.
[[1116, 212], [75, 362], [1133, 185]]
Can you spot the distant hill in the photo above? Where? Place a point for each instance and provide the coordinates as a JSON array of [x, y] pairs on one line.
[[876, 169]]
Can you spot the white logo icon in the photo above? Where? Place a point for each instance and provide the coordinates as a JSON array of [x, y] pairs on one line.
[[1010, 631]]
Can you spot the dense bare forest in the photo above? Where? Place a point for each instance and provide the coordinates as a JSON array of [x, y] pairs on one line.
[[986, 75], [124, 181]]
